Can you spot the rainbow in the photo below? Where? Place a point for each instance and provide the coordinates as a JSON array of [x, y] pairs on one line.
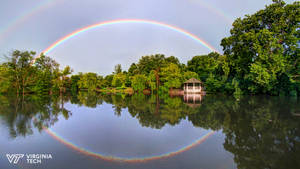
[[212, 8], [123, 21], [121, 159], [14, 23]]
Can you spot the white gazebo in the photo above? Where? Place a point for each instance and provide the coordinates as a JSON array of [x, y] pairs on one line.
[[192, 86]]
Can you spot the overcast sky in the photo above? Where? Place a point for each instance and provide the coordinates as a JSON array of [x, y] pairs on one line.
[[36, 24]]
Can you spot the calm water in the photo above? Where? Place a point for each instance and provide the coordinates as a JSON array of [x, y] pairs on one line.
[[90, 131]]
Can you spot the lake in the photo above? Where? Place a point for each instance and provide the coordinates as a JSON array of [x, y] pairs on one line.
[[90, 131]]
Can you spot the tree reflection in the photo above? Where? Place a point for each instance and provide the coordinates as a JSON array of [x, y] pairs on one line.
[[21, 115], [261, 131]]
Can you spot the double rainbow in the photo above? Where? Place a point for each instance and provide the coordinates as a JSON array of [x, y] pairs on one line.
[[45, 4]]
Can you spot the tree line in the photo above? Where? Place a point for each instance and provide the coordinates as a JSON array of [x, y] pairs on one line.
[[261, 56]]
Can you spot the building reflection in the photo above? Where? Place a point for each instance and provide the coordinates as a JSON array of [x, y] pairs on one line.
[[193, 99]]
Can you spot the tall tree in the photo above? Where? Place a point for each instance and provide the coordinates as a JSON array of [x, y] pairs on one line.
[[45, 68], [5, 83], [118, 69], [138, 82], [89, 81], [133, 69], [119, 80], [152, 62], [74, 83], [264, 47], [61, 79], [171, 76], [107, 81], [152, 80], [20, 70], [203, 65], [188, 75]]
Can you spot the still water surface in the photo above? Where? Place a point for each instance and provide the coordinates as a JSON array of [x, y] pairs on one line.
[[119, 131]]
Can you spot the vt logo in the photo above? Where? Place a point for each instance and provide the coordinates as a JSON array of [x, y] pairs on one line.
[[14, 158]]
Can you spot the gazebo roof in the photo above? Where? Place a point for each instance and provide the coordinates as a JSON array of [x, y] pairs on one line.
[[193, 80]]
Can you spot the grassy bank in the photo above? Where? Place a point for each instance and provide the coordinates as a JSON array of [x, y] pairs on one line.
[[127, 90]]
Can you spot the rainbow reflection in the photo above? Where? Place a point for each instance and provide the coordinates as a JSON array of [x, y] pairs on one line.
[[121, 159]]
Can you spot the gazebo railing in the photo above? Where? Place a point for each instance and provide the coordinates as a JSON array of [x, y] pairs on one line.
[[192, 88]]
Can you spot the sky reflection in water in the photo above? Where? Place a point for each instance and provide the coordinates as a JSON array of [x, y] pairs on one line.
[[150, 127]]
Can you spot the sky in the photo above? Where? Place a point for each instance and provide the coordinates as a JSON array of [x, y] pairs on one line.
[[36, 24]]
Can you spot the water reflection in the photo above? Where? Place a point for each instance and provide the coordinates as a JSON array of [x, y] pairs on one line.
[[260, 131], [21, 115], [193, 99]]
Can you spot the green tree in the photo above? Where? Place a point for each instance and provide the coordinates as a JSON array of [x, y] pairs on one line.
[[264, 47], [174, 60], [152, 80], [203, 65], [119, 80], [188, 75], [107, 81], [74, 83], [61, 79], [5, 84], [171, 76], [45, 68], [118, 69], [152, 62], [20, 70], [133, 69], [138, 82], [89, 81], [213, 85]]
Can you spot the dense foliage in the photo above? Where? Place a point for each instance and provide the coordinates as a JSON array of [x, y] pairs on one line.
[[263, 50], [24, 74], [261, 56]]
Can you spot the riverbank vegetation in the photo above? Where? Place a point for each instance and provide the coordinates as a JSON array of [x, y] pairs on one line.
[[261, 56]]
